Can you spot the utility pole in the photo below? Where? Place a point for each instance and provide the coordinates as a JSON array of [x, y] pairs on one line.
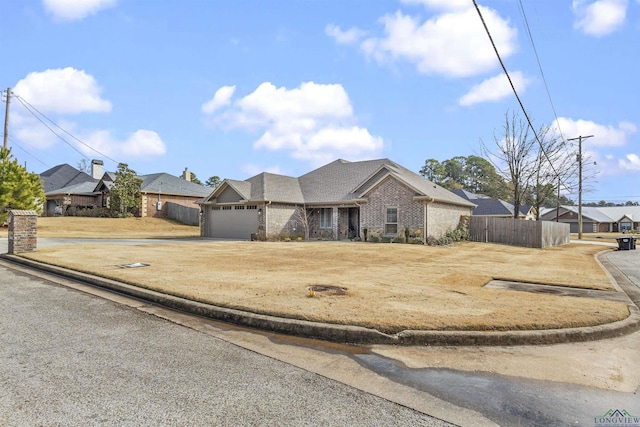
[[6, 120], [579, 157]]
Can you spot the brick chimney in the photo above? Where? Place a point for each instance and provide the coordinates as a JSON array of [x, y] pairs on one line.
[[186, 175], [97, 169]]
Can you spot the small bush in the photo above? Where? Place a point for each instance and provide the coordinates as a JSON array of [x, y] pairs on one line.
[[287, 239], [299, 239], [397, 240], [374, 239], [386, 240]]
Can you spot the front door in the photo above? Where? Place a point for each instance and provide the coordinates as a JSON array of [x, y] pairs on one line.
[[354, 223]]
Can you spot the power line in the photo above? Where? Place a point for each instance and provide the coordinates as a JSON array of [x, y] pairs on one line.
[[544, 80], [50, 129], [30, 107], [15, 143], [504, 68]]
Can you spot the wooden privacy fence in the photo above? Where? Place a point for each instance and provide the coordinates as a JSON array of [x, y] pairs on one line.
[[518, 232], [183, 214]]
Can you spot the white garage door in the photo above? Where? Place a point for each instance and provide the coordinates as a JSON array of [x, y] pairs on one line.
[[232, 222]]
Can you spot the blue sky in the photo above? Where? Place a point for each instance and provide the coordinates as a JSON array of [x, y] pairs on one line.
[[235, 88]]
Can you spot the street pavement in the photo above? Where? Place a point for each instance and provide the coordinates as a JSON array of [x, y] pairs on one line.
[[499, 389], [73, 359]]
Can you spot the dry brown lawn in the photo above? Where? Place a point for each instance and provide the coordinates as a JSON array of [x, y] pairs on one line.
[[114, 228], [390, 287]]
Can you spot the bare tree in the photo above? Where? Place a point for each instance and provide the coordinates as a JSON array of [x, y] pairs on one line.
[[513, 156], [84, 165], [553, 168], [301, 215]]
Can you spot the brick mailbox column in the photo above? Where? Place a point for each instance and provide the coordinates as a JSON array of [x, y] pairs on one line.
[[23, 226]]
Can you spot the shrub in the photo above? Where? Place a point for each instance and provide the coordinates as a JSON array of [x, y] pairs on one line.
[[287, 239], [374, 239], [299, 239], [397, 240]]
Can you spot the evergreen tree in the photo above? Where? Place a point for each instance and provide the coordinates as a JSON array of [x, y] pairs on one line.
[[213, 182], [125, 195], [19, 189]]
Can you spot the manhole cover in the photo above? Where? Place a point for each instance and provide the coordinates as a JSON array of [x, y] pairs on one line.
[[326, 290]]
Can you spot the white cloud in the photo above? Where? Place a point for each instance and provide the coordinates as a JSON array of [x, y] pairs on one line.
[[74, 10], [452, 43], [495, 89], [442, 4], [220, 99], [62, 90], [313, 121], [630, 163], [141, 144], [599, 18], [603, 135], [349, 36], [58, 93]]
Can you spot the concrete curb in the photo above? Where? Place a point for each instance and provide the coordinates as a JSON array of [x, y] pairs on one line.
[[346, 333]]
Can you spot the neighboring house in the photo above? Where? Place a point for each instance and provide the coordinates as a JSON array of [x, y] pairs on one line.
[[340, 200], [67, 187], [486, 206], [613, 219]]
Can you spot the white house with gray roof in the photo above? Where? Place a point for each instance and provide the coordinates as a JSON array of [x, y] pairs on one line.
[[338, 201]]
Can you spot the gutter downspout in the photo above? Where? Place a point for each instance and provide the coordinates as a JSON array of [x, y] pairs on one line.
[[424, 222]]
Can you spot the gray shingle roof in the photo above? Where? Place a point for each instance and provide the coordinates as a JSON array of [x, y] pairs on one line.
[[82, 188], [468, 194], [605, 213], [339, 181], [165, 183], [62, 176]]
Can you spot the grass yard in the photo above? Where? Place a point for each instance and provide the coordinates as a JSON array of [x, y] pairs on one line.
[[390, 287]]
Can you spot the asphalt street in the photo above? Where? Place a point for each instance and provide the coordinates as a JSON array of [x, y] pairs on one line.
[[70, 358]]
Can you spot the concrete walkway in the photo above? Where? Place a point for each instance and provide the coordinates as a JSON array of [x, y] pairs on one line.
[[623, 267]]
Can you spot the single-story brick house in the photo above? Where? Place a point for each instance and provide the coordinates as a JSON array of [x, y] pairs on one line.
[[156, 190], [66, 186], [340, 200], [605, 219]]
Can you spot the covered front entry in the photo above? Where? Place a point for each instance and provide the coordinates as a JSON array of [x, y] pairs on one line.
[[232, 222], [348, 223]]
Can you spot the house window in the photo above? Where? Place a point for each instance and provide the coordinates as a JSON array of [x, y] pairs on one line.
[[324, 220], [215, 208], [252, 207], [391, 220], [239, 208], [226, 208]]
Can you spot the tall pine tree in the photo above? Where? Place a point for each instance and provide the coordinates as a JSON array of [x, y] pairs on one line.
[[19, 189]]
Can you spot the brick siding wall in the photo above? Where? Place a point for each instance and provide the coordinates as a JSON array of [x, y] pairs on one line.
[[443, 217], [282, 221], [150, 203], [391, 192]]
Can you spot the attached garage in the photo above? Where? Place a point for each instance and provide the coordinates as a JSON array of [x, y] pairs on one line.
[[232, 222]]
